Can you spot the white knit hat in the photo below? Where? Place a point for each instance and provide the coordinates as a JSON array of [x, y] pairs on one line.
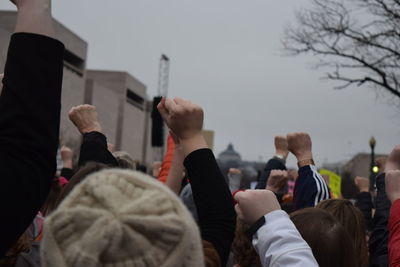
[[121, 218]]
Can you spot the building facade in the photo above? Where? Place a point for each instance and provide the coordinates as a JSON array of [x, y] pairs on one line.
[[121, 100]]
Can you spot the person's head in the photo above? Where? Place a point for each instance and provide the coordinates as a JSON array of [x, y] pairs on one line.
[[124, 160], [243, 251], [121, 218], [353, 221], [328, 239]]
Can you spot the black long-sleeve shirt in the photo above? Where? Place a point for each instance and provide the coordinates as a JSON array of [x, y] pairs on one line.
[[217, 218], [30, 105], [272, 164], [94, 148], [378, 242]]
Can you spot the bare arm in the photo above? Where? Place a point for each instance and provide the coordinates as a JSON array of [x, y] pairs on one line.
[[174, 180]]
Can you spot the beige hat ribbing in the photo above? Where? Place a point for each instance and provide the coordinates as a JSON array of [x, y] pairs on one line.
[[121, 218]]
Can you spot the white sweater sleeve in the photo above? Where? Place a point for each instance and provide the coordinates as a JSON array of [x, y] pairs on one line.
[[280, 244]]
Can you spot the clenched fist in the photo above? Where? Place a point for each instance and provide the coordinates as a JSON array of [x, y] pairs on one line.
[[300, 145], [277, 179], [66, 153], [362, 184], [184, 118], [281, 146], [393, 162], [85, 118], [392, 185], [253, 204]]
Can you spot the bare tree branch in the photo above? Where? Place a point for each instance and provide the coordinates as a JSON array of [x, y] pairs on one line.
[[348, 35]]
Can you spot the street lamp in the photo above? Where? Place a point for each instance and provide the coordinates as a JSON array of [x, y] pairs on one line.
[[372, 144]]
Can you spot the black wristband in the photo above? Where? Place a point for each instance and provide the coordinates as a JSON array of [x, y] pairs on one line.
[[254, 228]]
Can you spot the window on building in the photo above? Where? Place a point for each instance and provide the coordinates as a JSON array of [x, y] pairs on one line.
[[135, 99], [74, 63]]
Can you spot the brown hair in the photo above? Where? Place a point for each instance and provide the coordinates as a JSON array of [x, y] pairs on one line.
[[353, 221], [211, 257], [52, 199], [243, 251], [23, 244], [79, 176], [328, 239]]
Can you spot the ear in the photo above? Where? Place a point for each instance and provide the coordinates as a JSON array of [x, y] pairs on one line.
[[1, 75]]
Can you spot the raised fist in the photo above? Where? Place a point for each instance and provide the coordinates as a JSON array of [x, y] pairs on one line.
[[234, 171], [184, 118], [392, 185], [300, 145], [381, 162], [253, 204], [85, 118], [393, 162], [281, 146], [277, 179], [362, 183], [66, 153]]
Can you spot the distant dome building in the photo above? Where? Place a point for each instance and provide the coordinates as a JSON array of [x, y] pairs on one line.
[[229, 158]]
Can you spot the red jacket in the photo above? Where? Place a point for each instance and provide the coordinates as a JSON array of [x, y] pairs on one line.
[[167, 162], [394, 234]]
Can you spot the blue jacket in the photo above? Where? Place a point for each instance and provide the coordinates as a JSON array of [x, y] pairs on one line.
[[310, 188]]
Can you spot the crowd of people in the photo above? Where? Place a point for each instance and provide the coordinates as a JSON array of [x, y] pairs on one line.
[[102, 210]]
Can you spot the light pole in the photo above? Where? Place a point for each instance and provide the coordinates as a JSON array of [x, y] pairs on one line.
[[372, 144]]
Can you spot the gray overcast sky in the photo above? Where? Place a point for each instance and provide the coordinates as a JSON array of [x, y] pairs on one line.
[[226, 56]]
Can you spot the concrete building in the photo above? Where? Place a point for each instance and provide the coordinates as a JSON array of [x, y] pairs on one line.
[[359, 165], [74, 71], [124, 110], [121, 100]]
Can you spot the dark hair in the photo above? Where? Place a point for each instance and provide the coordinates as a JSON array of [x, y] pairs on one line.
[[23, 244], [328, 239], [353, 221], [79, 176], [243, 251]]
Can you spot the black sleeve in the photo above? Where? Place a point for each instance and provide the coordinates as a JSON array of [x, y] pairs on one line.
[[378, 242], [272, 164], [67, 173], [364, 203], [217, 218], [94, 148], [30, 105]]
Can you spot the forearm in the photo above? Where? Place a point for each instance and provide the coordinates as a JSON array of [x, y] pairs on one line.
[[34, 16], [30, 106], [213, 201], [94, 148], [279, 243], [364, 203], [310, 188], [378, 242], [174, 179]]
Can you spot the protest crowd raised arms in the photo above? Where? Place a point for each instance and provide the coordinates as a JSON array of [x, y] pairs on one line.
[[95, 205]]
